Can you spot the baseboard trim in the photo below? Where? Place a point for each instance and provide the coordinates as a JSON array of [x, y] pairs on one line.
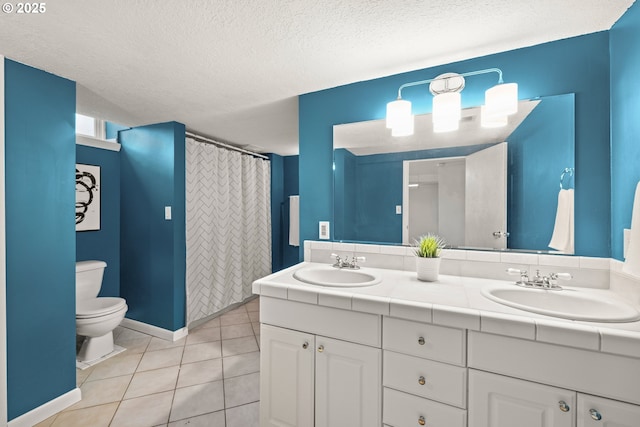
[[155, 331], [47, 410]]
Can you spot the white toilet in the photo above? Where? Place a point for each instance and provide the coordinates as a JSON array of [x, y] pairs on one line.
[[96, 318]]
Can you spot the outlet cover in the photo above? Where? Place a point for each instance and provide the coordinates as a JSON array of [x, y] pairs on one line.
[[323, 230], [398, 210]]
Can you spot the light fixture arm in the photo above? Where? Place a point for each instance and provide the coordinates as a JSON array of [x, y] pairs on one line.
[[471, 73]]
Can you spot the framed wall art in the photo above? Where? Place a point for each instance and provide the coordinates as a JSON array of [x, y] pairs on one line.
[[87, 197]]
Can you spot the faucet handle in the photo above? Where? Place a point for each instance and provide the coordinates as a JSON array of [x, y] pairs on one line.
[[561, 276], [524, 275], [359, 258]]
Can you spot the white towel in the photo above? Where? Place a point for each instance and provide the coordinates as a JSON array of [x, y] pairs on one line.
[[632, 260], [294, 220], [562, 238]]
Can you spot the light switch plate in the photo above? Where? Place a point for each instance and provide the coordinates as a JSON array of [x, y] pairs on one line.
[[323, 230], [167, 213]]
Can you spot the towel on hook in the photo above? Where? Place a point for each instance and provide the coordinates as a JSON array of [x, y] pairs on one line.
[[562, 238], [294, 220], [632, 260]]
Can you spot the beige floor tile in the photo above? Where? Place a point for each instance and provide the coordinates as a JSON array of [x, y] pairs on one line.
[[234, 319], [134, 343], [256, 327], [213, 323], [160, 359], [254, 316], [241, 390], [243, 416], [83, 374], [48, 422], [200, 372], [238, 310], [242, 364], [253, 305], [197, 400], [100, 392], [121, 364], [144, 411], [203, 351], [150, 382], [258, 340], [239, 346], [95, 416], [203, 335], [160, 344], [236, 331], [214, 419]]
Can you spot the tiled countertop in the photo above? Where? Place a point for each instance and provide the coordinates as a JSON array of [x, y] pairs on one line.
[[454, 301]]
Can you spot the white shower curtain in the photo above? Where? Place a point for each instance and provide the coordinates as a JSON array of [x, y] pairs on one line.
[[228, 226]]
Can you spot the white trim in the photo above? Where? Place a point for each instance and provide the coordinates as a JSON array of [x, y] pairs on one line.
[[155, 331], [3, 262], [47, 410], [104, 144]]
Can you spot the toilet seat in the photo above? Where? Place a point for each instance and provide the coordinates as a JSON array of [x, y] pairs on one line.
[[97, 307]]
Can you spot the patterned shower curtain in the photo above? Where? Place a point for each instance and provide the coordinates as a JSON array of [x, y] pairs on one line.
[[228, 226]]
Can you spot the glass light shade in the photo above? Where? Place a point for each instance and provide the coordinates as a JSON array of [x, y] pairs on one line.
[[502, 99], [489, 121], [398, 113], [403, 127], [447, 107]]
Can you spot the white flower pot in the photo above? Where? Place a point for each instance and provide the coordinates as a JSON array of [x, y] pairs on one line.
[[427, 269]]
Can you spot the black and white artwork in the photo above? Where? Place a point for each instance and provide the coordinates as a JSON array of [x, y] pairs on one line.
[[87, 197]]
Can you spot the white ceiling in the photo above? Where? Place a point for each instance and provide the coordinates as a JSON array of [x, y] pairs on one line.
[[232, 69]]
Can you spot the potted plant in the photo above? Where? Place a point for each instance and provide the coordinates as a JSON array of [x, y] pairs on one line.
[[427, 252]]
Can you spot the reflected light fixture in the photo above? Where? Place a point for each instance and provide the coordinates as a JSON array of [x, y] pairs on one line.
[[500, 101]]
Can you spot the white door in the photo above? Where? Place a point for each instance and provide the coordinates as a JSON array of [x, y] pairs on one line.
[[286, 378], [348, 384], [498, 401], [599, 412], [486, 198]]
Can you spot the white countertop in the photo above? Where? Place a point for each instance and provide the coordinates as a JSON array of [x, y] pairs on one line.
[[454, 301]]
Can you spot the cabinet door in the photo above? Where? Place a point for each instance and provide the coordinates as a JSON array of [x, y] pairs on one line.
[[600, 412], [348, 384], [286, 378], [498, 401]]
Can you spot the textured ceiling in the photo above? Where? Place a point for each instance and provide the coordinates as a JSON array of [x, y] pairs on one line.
[[232, 69]]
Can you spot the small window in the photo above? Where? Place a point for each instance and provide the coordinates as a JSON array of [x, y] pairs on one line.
[[85, 125]]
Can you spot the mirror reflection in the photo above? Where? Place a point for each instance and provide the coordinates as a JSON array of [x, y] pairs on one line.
[[466, 205]]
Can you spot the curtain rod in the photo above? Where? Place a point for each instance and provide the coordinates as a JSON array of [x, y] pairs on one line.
[[222, 144]]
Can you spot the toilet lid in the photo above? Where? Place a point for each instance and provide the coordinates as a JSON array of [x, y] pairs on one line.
[[98, 307]]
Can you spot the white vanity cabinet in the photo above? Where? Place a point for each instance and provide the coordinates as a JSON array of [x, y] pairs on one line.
[[308, 379], [596, 411], [424, 374]]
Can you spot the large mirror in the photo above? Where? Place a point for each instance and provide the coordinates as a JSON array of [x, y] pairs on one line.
[[483, 188]]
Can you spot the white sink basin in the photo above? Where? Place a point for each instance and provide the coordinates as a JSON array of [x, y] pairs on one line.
[[336, 277], [568, 303]]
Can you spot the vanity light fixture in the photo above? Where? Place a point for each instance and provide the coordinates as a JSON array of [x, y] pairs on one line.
[[500, 101]]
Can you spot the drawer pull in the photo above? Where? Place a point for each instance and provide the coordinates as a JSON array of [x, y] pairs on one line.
[[305, 345], [421, 340], [421, 381], [320, 349], [421, 421], [595, 414], [563, 406]]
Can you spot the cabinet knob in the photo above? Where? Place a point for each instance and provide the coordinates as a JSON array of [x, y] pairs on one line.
[[305, 345], [421, 380], [320, 349], [421, 340], [563, 406], [421, 421], [595, 414]]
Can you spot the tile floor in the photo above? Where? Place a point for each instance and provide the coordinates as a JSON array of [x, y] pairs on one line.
[[209, 378]]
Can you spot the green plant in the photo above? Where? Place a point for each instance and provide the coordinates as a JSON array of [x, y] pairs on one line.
[[429, 246]]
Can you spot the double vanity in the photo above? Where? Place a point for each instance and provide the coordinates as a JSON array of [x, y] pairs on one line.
[[377, 347]]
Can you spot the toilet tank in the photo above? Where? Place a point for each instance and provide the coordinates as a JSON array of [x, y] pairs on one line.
[[89, 279]]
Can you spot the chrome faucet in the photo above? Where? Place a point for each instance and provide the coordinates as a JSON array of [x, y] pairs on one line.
[[345, 263], [539, 282]]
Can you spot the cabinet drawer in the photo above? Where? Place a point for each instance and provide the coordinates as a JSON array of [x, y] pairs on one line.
[[596, 411], [425, 340], [405, 410], [434, 380]]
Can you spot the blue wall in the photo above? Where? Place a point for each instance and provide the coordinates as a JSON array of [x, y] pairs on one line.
[[153, 250], [103, 244], [284, 183], [41, 253], [625, 122], [577, 65]]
